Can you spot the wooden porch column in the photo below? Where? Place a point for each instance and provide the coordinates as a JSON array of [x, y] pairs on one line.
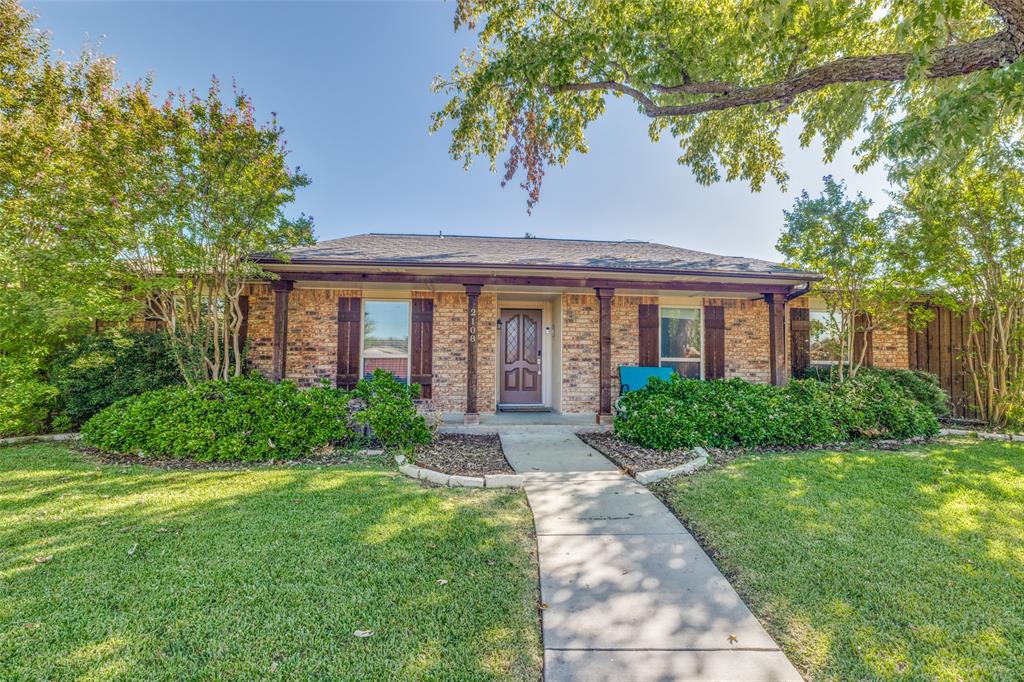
[[471, 416], [776, 337], [281, 288], [604, 300]]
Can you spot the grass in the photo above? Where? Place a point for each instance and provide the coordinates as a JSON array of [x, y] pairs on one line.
[[875, 565], [262, 573]]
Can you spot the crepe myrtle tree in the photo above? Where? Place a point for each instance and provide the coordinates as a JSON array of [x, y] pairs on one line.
[[960, 236], [919, 80], [837, 237], [221, 184]]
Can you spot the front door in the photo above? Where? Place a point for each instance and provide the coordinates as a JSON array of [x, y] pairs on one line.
[[520, 357]]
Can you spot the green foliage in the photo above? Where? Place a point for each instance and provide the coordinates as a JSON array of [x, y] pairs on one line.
[[25, 398], [736, 413], [212, 158], [390, 412], [838, 238], [923, 386], [252, 419], [110, 199], [960, 236], [724, 78], [247, 419], [67, 131], [101, 369]]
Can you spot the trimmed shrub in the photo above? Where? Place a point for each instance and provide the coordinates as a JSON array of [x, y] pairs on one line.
[[247, 419], [924, 386], [389, 411], [101, 369], [735, 413], [25, 399]]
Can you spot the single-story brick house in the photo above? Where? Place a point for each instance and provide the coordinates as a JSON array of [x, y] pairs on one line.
[[489, 323]]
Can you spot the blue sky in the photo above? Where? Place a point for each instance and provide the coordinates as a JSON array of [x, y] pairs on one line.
[[350, 82]]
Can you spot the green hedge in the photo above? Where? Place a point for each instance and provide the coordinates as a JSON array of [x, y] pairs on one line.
[[735, 413], [247, 419], [924, 386], [252, 419], [101, 369]]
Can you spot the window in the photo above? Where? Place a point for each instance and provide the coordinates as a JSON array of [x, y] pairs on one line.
[[825, 338], [682, 341], [386, 337]]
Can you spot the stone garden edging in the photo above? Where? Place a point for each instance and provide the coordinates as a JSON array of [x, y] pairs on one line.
[[457, 481], [42, 437], [655, 475], [985, 435]]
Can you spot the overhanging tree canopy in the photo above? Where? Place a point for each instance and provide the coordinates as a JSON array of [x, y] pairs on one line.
[[922, 79]]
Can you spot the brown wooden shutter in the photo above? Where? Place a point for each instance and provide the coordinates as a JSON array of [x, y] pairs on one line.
[[649, 335], [800, 341], [861, 321], [349, 329], [714, 342], [423, 344]]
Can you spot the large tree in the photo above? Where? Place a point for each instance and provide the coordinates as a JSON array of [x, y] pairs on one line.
[[960, 238], [920, 80], [836, 236], [217, 183], [62, 164]]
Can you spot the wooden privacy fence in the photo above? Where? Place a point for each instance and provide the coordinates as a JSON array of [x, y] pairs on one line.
[[938, 348]]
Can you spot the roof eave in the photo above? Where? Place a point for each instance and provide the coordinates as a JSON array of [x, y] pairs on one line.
[[790, 275]]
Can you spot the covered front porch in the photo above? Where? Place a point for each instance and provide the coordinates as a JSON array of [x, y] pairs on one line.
[[482, 344]]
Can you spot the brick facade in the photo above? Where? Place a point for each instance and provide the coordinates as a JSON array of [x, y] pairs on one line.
[[625, 336], [581, 381], [312, 335], [450, 351], [259, 355], [890, 345], [312, 342], [746, 338]]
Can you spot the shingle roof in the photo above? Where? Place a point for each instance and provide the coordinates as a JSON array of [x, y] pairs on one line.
[[452, 250]]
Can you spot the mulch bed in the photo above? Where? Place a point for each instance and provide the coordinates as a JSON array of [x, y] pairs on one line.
[[631, 457], [328, 457], [463, 454]]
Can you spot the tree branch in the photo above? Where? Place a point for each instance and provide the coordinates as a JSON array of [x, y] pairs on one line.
[[957, 60]]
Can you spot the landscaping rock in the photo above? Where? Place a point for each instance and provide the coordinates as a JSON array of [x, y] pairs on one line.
[[985, 435], [15, 440], [466, 482], [434, 477], [503, 481], [655, 475], [410, 470]]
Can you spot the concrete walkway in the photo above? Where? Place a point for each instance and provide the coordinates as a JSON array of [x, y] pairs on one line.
[[631, 595]]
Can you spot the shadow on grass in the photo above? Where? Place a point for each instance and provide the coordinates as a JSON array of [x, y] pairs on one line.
[[268, 572], [876, 565]]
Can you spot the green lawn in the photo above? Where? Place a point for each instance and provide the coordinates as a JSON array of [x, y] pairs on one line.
[[261, 573], [875, 565]]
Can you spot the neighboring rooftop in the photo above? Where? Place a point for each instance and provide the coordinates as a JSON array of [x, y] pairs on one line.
[[527, 252]]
